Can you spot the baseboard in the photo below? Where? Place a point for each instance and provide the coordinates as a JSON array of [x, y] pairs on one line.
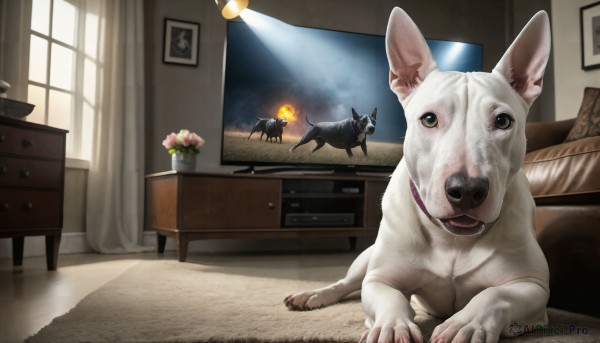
[[259, 245], [76, 243], [70, 243]]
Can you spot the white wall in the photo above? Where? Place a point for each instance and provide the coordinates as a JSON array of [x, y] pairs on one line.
[[570, 79]]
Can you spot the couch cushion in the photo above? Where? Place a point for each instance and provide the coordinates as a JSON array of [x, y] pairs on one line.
[[566, 169], [587, 123]]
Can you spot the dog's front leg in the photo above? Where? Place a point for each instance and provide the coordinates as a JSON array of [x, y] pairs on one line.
[[363, 146], [389, 314], [496, 311]]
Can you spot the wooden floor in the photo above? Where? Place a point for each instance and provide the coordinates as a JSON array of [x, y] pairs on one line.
[[31, 296]]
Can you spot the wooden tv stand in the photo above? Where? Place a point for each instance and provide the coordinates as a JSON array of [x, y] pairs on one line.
[[195, 206]]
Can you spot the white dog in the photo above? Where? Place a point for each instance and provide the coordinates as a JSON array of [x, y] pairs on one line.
[[457, 230]]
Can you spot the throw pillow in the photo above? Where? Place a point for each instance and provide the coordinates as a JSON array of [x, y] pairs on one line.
[[587, 123]]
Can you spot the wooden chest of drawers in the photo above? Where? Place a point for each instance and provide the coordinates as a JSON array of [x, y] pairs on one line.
[[32, 164]]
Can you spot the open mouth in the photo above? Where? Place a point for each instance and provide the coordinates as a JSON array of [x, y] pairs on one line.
[[463, 225]]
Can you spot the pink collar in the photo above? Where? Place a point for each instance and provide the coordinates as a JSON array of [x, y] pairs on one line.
[[419, 201]]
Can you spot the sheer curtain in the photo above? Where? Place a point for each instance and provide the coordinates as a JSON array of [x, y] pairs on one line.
[[114, 216], [13, 46]]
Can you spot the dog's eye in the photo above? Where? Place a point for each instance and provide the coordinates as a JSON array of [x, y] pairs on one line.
[[503, 121], [429, 120]]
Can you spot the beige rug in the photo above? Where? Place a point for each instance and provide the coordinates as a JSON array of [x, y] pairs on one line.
[[238, 301]]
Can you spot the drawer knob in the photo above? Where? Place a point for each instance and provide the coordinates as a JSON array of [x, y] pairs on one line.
[[28, 206], [5, 206], [27, 142], [2, 138], [3, 169], [25, 173], [271, 205]]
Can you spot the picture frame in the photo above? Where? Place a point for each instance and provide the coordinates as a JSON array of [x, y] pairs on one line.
[[590, 36], [181, 42]]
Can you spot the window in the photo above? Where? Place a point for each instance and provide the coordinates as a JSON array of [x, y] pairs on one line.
[[64, 69]]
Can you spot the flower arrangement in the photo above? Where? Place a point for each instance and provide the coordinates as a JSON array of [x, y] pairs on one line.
[[185, 142]]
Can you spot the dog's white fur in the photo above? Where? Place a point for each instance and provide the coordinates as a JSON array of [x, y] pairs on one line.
[[484, 280]]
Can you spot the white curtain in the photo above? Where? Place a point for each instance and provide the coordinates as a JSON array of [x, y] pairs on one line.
[[114, 216], [14, 44]]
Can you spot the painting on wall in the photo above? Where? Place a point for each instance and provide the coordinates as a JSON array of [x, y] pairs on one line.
[[590, 36], [181, 42]]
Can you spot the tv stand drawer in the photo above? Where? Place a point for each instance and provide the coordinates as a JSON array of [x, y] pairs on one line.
[[217, 203]]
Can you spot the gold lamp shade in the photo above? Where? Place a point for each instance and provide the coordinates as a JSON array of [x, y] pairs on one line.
[[231, 8]]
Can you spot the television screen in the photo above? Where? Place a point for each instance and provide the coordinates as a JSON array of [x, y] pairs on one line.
[[314, 79]]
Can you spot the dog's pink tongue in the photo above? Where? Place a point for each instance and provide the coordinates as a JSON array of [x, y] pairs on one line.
[[464, 222]]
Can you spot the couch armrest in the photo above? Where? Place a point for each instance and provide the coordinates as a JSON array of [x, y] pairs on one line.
[[544, 134]]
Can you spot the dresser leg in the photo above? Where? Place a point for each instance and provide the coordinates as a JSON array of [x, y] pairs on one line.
[[161, 241], [17, 248], [182, 247], [52, 245]]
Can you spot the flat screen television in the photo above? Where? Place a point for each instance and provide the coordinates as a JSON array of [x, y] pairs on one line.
[[315, 75]]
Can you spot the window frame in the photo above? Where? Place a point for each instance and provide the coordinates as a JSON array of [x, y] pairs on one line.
[[75, 137]]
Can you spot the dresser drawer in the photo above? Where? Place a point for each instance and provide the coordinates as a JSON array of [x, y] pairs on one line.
[[34, 143], [30, 209], [19, 172]]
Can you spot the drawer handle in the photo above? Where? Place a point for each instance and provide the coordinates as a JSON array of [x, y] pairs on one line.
[[27, 142], [5, 206], [3, 169], [25, 173], [28, 206], [2, 138]]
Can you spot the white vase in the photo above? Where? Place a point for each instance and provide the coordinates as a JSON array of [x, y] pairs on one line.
[[183, 162]]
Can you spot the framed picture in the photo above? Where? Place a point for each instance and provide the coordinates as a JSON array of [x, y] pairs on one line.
[[590, 36], [181, 40]]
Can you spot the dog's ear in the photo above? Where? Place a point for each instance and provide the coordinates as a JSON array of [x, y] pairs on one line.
[[354, 114], [524, 63], [374, 114], [408, 54]]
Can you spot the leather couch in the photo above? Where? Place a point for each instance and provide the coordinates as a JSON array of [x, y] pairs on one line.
[[565, 182]]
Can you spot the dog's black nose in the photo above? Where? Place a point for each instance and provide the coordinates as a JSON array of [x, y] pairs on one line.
[[466, 193]]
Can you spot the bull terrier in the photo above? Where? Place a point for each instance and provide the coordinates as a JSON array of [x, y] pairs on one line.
[[273, 127], [457, 234], [344, 134]]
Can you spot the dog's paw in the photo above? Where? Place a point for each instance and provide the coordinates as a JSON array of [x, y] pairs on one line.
[[304, 301], [456, 330], [400, 331]]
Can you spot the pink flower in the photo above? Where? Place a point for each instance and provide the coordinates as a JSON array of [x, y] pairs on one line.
[[184, 141], [197, 141], [182, 135], [170, 140]]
